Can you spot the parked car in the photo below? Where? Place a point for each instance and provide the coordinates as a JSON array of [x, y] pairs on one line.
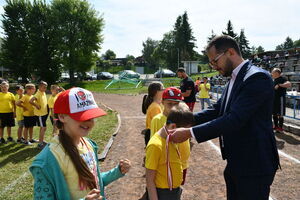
[[164, 73], [104, 76], [128, 74]]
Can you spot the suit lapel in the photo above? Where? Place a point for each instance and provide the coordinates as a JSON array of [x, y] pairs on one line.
[[237, 84]]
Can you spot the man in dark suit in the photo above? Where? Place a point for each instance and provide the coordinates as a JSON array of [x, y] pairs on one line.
[[242, 119]]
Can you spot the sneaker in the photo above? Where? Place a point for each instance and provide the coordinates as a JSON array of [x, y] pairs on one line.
[[27, 143], [19, 141], [279, 129], [41, 145], [33, 141], [2, 141], [10, 139]]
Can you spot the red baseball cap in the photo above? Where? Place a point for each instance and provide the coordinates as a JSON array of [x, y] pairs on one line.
[[78, 103], [172, 94]]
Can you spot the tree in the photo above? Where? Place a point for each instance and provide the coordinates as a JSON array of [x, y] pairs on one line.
[[40, 40], [260, 49], [204, 58], [288, 43], [14, 54], [297, 43], [244, 45], [184, 38], [109, 55], [229, 30], [148, 49], [78, 33]]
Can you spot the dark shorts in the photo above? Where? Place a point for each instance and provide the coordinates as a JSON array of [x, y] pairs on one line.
[[166, 194], [279, 106], [7, 120], [29, 121], [41, 120]]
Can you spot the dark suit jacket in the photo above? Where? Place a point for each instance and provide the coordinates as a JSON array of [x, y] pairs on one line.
[[245, 127]]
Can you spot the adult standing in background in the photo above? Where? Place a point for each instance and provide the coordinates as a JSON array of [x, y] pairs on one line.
[[204, 89], [280, 86], [242, 119], [187, 87]]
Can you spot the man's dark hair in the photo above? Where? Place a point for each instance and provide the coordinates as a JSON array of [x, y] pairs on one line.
[[182, 70], [277, 70], [223, 43]]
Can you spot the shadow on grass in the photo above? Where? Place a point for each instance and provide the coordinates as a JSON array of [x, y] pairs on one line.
[[20, 156], [10, 148]]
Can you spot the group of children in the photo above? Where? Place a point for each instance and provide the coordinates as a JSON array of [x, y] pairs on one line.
[[166, 163], [30, 109]]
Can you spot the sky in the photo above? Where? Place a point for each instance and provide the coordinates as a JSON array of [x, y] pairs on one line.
[[128, 23]]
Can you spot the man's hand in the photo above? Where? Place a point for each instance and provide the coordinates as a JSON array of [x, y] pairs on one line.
[[276, 87], [180, 135], [124, 166]]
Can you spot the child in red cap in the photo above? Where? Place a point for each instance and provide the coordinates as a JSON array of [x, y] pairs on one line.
[[68, 168]]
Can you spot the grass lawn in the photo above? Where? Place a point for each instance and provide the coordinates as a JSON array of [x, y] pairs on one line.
[[16, 181], [126, 88]]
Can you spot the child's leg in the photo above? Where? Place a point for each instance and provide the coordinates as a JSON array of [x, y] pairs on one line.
[[20, 130], [26, 134], [42, 134], [9, 131], [30, 129], [1, 132]]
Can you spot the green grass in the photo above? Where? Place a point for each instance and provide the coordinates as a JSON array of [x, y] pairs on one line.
[[16, 158], [126, 88]]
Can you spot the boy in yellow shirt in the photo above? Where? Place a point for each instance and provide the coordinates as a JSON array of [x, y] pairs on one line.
[[164, 170], [40, 110], [171, 97], [7, 112], [204, 93], [19, 112], [29, 118], [55, 91]]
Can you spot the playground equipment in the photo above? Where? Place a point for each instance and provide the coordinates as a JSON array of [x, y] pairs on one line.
[[125, 79]]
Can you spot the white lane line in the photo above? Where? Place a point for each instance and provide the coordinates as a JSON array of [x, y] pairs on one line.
[[215, 147], [12, 184], [289, 157]]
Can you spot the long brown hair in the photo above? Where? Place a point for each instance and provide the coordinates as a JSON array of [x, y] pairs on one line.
[[86, 178], [152, 90]]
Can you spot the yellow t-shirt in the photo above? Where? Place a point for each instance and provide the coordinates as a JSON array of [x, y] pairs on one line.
[[156, 160], [204, 93], [41, 100], [7, 102], [152, 110], [184, 148], [157, 123], [19, 110], [29, 108], [52, 100], [68, 169]]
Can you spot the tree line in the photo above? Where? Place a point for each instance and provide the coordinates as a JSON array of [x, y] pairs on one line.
[[178, 45], [43, 39]]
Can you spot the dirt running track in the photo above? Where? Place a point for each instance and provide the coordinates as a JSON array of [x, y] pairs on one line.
[[205, 174]]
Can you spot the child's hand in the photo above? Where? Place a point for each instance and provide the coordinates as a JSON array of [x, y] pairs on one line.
[[94, 194], [38, 107], [124, 166]]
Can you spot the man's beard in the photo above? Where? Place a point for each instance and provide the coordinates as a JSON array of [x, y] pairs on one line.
[[228, 68]]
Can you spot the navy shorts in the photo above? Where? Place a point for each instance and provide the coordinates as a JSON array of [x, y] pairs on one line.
[[7, 120], [29, 121], [41, 120]]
